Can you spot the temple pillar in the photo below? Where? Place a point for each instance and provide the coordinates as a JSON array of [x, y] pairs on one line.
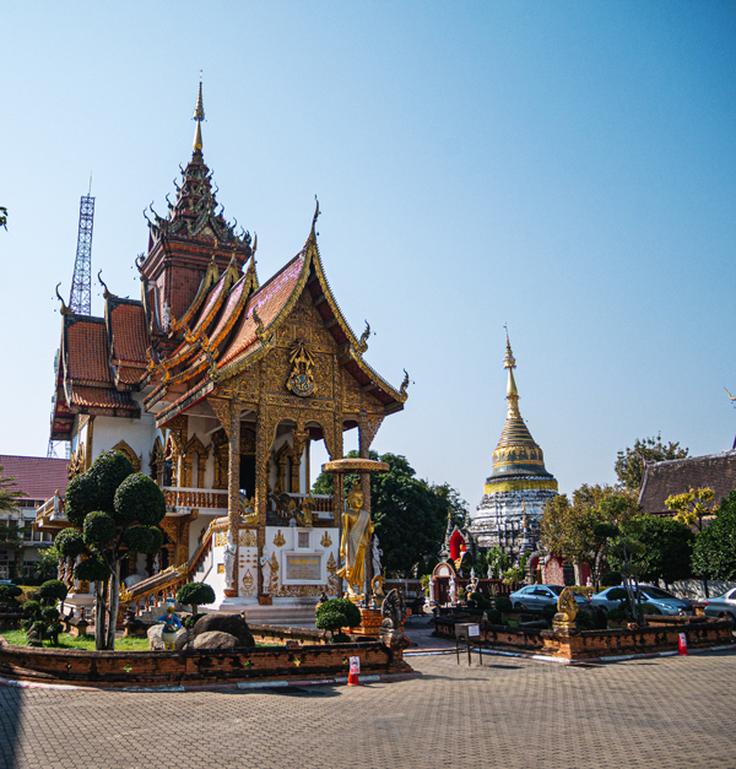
[[233, 488], [264, 440], [367, 429]]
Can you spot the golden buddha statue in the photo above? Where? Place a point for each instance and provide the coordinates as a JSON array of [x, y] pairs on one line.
[[357, 529]]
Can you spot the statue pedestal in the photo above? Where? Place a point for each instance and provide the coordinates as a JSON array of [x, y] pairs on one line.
[[370, 623]]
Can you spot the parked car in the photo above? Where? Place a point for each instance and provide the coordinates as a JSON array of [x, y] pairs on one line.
[[539, 597], [723, 606], [664, 601]]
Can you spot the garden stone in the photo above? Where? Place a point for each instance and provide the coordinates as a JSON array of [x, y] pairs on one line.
[[214, 639], [231, 623], [156, 642]]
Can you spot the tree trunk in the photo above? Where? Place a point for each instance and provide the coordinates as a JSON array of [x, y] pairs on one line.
[[100, 592], [114, 605]]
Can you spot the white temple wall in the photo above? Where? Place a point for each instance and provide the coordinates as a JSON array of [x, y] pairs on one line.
[[137, 433]]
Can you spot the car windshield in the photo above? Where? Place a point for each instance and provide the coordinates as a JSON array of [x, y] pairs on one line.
[[655, 592], [556, 589]]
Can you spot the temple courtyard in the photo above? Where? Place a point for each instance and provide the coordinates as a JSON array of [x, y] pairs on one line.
[[509, 712]]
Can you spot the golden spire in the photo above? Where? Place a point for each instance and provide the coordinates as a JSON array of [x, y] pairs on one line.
[[199, 117], [512, 394]]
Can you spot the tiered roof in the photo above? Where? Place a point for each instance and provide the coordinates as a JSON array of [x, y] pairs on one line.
[[199, 325]]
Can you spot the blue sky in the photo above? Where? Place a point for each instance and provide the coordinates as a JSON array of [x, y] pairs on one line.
[[568, 168]]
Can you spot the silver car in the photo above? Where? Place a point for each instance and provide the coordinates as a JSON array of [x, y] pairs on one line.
[[539, 597], [664, 601], [724, 606]]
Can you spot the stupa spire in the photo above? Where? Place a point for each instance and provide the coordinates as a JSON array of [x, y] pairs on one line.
[[198, 117], [512, 392]]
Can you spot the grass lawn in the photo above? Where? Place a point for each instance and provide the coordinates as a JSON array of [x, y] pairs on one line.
[[18, 638]]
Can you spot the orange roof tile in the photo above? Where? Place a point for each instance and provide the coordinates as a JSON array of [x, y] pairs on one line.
[[86, 349], [101, 398], [128, 331]]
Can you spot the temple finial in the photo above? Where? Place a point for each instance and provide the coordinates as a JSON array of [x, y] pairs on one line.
[[198, 117], [509, 361]]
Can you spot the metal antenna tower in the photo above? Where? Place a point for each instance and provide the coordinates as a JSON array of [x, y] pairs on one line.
[[80, 296]]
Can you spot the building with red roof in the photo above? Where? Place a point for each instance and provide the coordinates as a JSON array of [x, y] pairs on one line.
[[217, 384], [34, 480]]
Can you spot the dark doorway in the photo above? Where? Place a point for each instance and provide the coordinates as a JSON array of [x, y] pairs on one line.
[[248, 474]]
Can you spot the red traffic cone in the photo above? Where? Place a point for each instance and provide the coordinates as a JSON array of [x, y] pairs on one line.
[[354, 672], [682, 644]]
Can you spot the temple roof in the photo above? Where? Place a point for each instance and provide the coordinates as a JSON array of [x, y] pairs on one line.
[[675, 476], [222, 343], [517, 455]]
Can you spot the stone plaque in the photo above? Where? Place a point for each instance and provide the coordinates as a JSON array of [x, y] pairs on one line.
[[303, 568]]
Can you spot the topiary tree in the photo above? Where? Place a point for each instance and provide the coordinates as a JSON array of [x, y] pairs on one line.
[[53, 590], [195, 594], [335, 614], [113, 512], [9, 598]]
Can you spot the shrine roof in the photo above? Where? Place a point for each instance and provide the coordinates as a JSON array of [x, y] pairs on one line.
[[85, 349], [35, 477], [267, 302], [128, 335], [675, 476], [102, 398]]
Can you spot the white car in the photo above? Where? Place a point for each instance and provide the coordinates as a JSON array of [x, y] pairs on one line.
[[724, 606]]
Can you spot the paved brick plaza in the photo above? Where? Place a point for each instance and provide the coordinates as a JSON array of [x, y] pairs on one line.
[[671, 712]]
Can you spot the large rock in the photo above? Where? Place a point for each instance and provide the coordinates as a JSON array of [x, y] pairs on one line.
[[214, 639], [223, 622], [156, 642]]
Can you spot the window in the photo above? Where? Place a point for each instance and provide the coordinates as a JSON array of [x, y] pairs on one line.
[[303, 539], [655, 592]]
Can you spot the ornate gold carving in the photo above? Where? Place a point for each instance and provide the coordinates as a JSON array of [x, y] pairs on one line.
[[364, 337], [301, 378], [126, 450], [248, 583], [220, 538], [220, 568], [299, 591], [76, 463], [278, 539], [326, 540], [247, 538], [273, 580]]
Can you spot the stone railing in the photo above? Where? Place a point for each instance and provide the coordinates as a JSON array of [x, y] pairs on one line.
[[180, 499]]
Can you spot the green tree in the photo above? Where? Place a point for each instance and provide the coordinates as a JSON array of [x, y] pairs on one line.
[[630, 462], [410, 514], [693, 505], [714, 552], [195, 594], [47, 565], [498, 562], [113, 512], [335, 614], [581, 530], [666, 548]]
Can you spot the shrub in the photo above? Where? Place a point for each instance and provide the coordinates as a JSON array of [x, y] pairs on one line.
[[108, 472], [53, 590], [139, 498], [99, 530], [492, 617], [69, 542], [479, 601], [80, 498], [502, 603], [337, 613], [91, 570], [9, 597], [143, 539], [195, 594]]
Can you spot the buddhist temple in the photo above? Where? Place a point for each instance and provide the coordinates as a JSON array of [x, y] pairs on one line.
[[217, 384], [519, 485]]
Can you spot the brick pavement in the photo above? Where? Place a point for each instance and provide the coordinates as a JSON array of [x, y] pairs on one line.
[[670, 712]]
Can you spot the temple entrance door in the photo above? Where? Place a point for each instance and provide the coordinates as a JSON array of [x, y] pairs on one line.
[[248, 474]]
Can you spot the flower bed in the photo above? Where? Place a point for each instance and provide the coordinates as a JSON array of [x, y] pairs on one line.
[[118, 669], [661, 635]]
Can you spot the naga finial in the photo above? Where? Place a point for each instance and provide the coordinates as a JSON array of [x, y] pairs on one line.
[[364, 337], [105, 291], [64, 310], [317, 212], [405, 383], [731, 397]]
